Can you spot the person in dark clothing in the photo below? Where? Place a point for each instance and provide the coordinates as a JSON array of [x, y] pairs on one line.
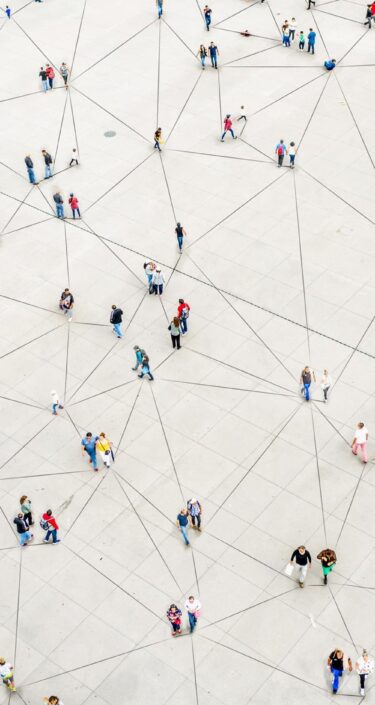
[[207, 16], [183, 523], [305, 381], [368, 16], [30, 169], [116, 320], [59, 204], [44, 78], [22, 529], [174, 615], [310, 2], [330, 64], [66, 303], [327, 557], [47, 161], [181, 233], [175, 330], [336, 664], [303, 561]]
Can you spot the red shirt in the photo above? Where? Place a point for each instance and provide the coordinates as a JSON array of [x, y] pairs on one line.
[[50, 72], [73, 202], [51, 520], [181, 308], [372, 8], [227, 124]]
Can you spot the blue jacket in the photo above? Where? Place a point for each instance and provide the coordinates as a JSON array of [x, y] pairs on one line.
[[311, 37]]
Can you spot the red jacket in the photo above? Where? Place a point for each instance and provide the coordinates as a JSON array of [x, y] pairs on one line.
[[51, 520], [50, 72], [227, 124], [372, 8], [181, 308], [73, 202]]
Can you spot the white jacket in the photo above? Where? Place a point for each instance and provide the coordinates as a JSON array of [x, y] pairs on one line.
[[158, 278]]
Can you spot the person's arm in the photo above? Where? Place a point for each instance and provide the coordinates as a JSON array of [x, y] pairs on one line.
[[353, 441], [313, 374], [329, 660], [83, 449], [218, 51], [293, 556], [366, 436]]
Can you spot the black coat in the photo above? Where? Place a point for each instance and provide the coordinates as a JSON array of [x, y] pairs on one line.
[[116, 315]]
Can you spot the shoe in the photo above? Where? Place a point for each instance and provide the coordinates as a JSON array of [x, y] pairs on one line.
[[221, 140], [69, 319], [199, 528], [188, 543], [119, 336], [334, 692], [134, 369], [45, 540], [362, 691], [57, 541], [140, 376], [354, 453], [302, 585]]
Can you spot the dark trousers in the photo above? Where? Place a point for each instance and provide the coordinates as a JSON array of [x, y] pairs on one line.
[[362, 678], [198, 518], [53, 533], [311, 2], [76, 210], [176, 627], [176, 341], [214, 60], [73, 160], [158, 288], [28, 518], [50, 81], [280, 159], [312, 47], [292, 33], [301, 45]]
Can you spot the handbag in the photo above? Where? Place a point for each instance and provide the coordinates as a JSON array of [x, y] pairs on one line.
[[289, 569], [44, 524]]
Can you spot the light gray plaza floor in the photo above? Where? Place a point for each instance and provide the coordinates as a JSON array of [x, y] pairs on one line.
[[278, 268]]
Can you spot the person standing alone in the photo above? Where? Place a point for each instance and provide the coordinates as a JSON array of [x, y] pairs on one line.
[[116, 320], [207, 17], [303, 561], [360, 439]]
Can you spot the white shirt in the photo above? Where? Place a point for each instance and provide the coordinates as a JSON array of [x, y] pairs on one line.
[[292, 26], [326, 381], [55, 398], [158, 278], [360, 435], [192, 606], [74, 155], [5, 670], [365, 666]]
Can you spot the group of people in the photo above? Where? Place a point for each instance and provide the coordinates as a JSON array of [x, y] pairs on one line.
[[24, 520], [191, 515], [73, 202], [301, 558], [48, 161], [370, 15], [91, 445], [212, 51], [281, 150], [47, 76], [288, 30], [174, 615], [337, 664]]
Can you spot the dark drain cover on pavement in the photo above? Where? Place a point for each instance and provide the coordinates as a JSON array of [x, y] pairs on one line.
[[110, 133]]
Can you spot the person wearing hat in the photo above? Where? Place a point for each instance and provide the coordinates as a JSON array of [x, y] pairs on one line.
[[228, 128], [195, 512], [73, 200], [158, 281]]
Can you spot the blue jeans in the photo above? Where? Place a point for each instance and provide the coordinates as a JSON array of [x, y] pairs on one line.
[[54, 408], [292, 158], [208, 22], [117, 329], [336, 676], [180, 239], [45, 85], [214, 60], [184, 533], [146, 371], [312, 47], [307, 390], [160, 10], [24, 538], [192, 621], [47, 171], [59, 210], [92, 456], [158, 289], [184, 325], [225, 132], [53, 533], [157, 145], [31, 175], [203, 61]]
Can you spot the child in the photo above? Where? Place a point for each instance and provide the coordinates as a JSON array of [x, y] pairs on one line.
[[55, 403], [301, 44], [138, 357]]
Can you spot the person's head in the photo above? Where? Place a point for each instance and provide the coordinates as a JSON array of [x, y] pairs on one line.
[[311, 29], [71, 195], [191, 598], [22, 499], [66, 290], [365, 654], [178, 225], [53, 700], [63, 63], [301, 550], [176, 321], [292, 144], [47, 66], [44, 151], [136, 347], [212, 44], [228, 116], [102, 435], [193, 500], [173, 608], [183, 511], [88, 435], [360, 424], [325, 372], [333, 61], [49, 512], [281, 141], [74, 149], [301, 32], [2, 661], [181, 301], [158, 270], [242, 106], [20, 515], [339, 653], [114, 306], [306, 368], [42, 69]]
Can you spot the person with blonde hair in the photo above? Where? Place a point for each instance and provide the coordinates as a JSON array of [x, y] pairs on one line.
[[104, 446], [364, 666]]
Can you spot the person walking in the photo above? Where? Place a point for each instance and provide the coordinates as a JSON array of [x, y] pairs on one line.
[[291, 151], [327, 557], [364, 666], [183, 312], [193, 608], [310, 2], [158, 281], [181, 233], [74, 204], [23, 532], [280, 151], [326, 384], [301, 41], [286, 34], [373, 10], [47, 164], [311, 37], [30, 169], [360, 439], [202, 53], [64, 71], [116, 320], [214, 53], [50, 75], [174, 615], [303, 560], [228, 128], [56, 404], [174, 328], [66, 303], [44, 78], [74, 157], [194, 509], [104, 446], [330, 64], [305, 381], [292, 28], [183, 523], [368, 16], [52, 700], [242, 115], [157, 139], [51, 526], [159, 4], [207, 16], [138, 357], [8, 11], [6, 674], [149, 268], [88, 445], [59, 204], [145, 368], [336, 665], [25, 504]]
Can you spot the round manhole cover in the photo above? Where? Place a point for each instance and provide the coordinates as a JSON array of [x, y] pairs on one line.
[[110, 133]]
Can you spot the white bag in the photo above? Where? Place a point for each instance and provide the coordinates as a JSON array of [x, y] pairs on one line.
[[289, 569]]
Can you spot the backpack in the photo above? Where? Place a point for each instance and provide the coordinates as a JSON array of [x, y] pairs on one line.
[[280, 151], [44, 524], [185, 312]]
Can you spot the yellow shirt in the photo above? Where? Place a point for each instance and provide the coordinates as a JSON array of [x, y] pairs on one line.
[[103, 444]]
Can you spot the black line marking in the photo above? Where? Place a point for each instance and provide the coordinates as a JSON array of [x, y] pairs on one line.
[[78, 36], [355, 123], [318, 473], [95, 203], [109, 113], [183, 108], [24, 345]]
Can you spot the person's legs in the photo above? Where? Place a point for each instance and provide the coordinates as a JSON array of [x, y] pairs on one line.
[[302, 573], [179, 240], [307, 391], [362, 680], [291, 157], [157, 145], [151, 376], [48, 534], [31, 175], [231, 132], [54, 409], [364, 453], [54, 536], [335, 681], [184, 533], [192, 621], [355, 448], [313, 48], [45, 85], [308, 45], [93, 459], [215, 61], [178, 341], [223, 135], [117, 329], [203, 61], [173, 340], [184, 325], [23, 538], [160, 289], [325, 392]]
